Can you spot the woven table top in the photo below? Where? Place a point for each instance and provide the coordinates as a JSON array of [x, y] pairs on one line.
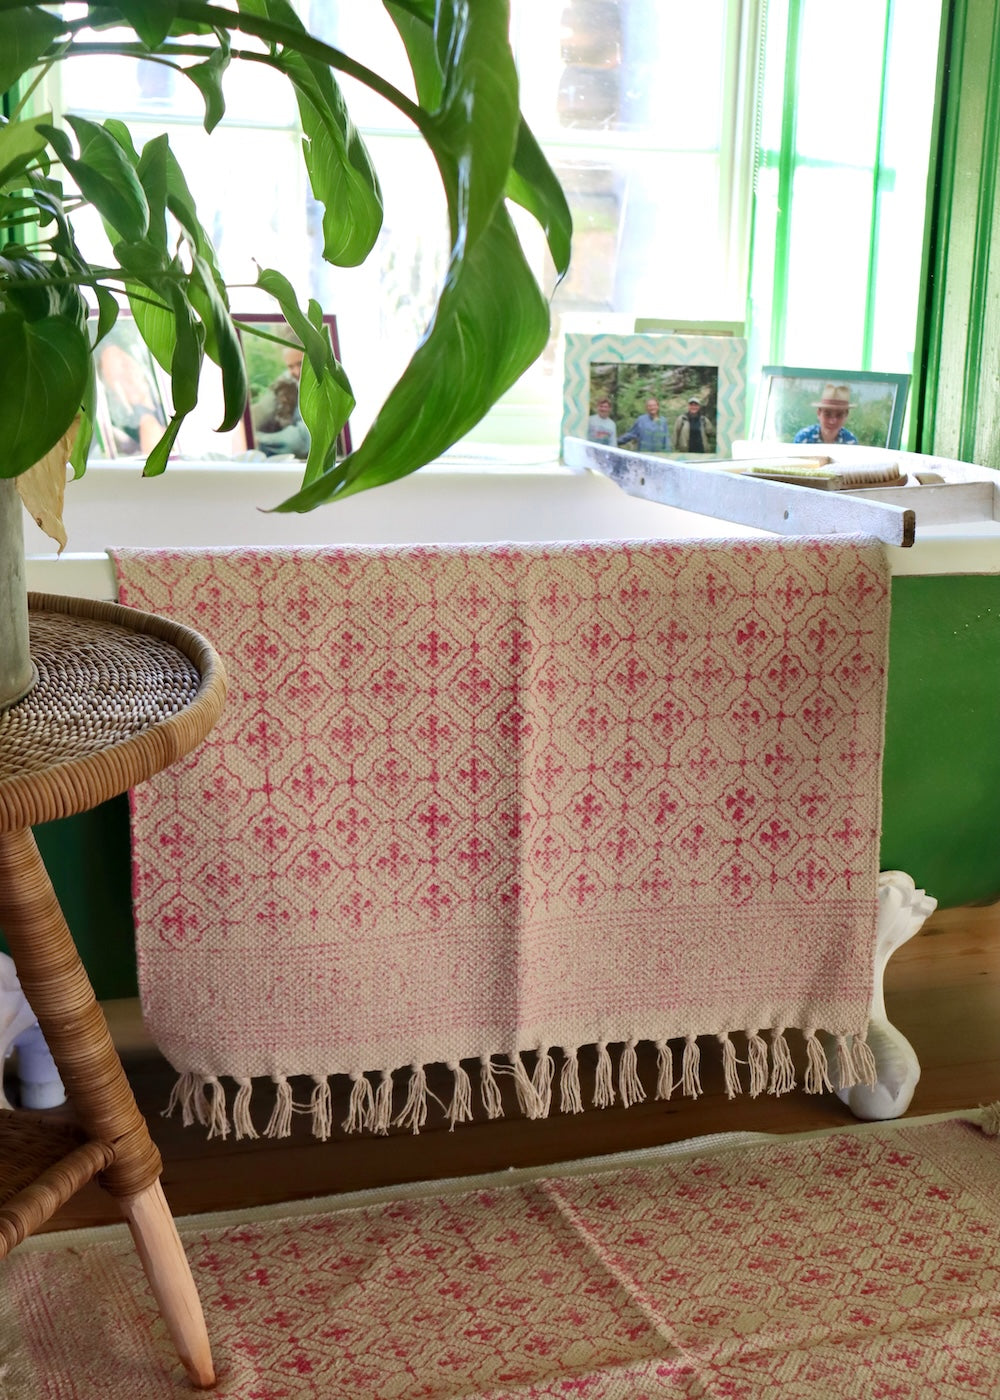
[[120, 695]]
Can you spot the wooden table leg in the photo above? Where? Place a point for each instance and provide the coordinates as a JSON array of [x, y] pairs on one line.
[[59, 991]]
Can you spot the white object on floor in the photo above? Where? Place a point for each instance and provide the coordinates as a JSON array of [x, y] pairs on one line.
[[41, 1086], [902, 910]]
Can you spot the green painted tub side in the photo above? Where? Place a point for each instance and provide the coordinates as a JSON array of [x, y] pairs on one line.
[[941, 770], [941, 777]]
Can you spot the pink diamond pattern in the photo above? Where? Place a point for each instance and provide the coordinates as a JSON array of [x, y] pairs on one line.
[[440, 763]]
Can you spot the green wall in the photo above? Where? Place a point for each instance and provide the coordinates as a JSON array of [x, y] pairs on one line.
[[89, 864]]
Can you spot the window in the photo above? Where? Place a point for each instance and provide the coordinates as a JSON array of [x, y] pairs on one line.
[[649, 111], [846, 114]]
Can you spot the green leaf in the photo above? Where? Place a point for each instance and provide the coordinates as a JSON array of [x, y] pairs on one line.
[[105, 176], [151, 19], [27, 285], [222, 343], [21, 143], [151, 170], [154, 319], [25, 34], [325, 396], [475, 132], [414, 19], [107, 312], [46, 365], [491, 324], [181, 204], [189, 351], [533, 185], [207, 77], [81, 445], [340, 171], [156, 462]]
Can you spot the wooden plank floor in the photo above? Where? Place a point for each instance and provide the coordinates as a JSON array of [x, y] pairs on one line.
[[942, 991]]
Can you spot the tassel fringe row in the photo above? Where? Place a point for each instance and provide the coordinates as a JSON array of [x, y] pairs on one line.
[[378, 1103]]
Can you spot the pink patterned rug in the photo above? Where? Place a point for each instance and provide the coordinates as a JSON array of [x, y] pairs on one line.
[[471, 802], [863, 1262]]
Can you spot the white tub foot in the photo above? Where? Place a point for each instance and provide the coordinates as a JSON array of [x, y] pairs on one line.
[[902, 910], [40, 1085]]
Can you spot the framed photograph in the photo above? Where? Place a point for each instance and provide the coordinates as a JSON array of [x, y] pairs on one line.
[[819, 406], [272, 422], [679, 396], [131, 412]]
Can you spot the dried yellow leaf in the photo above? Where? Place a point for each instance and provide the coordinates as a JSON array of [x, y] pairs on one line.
[[43, 486]]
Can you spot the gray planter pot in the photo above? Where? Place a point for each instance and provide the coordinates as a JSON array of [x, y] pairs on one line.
[[17, 674]]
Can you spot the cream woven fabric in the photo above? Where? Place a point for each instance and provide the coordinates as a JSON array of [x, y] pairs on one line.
[[470, 802]]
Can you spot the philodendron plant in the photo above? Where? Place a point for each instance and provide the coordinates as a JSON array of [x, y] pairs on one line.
[[491, 320]]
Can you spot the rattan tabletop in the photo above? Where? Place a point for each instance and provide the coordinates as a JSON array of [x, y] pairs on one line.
[[121, 695]]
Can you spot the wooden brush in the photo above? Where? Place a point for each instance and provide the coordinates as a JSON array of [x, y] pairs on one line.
[[829, 476]]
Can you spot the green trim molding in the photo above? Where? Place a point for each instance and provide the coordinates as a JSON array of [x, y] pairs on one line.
[[957, 394]]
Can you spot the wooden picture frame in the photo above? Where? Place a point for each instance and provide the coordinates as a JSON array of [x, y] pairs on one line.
[[271, 422]]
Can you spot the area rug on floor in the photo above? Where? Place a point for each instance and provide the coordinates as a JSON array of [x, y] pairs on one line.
[[860, 1262]]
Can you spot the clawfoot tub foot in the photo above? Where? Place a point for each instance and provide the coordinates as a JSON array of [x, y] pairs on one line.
[[902, 910]]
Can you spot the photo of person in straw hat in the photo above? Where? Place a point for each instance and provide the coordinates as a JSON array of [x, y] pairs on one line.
[[832, 408], [826, 400]]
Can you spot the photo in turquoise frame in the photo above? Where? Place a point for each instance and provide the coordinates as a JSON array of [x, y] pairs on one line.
[[629, 369], [789, 398]]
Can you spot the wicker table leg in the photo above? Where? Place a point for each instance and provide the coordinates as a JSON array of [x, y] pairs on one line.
[[56, 985]]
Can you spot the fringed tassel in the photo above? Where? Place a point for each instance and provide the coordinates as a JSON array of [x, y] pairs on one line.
[[460, 1108], [413, 1114], [865, 1068], [691, 1068], [242, 1122], [782, 1066], [200, 1104], [816, 1077], [729, 1069], [526, 1097], [280, 1123], [570, 1097], [604, 1087], [321, 1107], [489, 1088], [664, 1070], [846, 1072], [629, 1084], [182, 1096], [360, 1106], [541, 1080], [757, 1063], [382, 1116], [215, 1097]]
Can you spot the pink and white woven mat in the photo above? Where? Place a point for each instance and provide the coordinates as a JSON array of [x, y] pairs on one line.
[[475, 801]]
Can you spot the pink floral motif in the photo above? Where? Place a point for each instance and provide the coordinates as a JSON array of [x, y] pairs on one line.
[[577, 757]]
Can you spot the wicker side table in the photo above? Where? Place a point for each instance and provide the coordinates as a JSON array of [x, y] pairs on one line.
[[121, 695]]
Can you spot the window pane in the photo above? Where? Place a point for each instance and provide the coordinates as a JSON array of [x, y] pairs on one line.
[[839, 81], [828, 267], [250, 188], [102, 85]]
